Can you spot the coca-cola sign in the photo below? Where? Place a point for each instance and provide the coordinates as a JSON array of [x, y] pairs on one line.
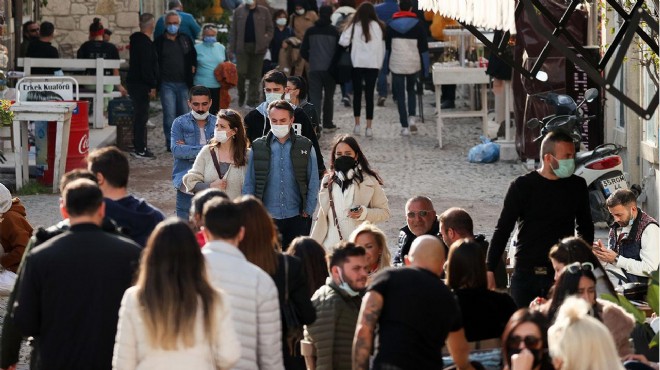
[[83, 144]]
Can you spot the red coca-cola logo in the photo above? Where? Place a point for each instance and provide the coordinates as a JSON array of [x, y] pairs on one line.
[[83, 145]]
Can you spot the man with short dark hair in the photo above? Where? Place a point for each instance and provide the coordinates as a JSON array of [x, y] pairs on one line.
[[42, 48], [546, 205], [142, 81], [30, 33], [177, 60], [257, 122], [337, 305], [632, 250], [414, 313], [283, 173], [420, 220], [456, 224], [189, 25], [71, 287], [136, 216], [190, 132], [252, 294]]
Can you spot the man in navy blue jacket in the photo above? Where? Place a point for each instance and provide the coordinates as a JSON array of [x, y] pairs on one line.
[[406, 55], [384, 11]]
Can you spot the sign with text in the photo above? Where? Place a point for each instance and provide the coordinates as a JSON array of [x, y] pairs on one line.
[[46, 89]]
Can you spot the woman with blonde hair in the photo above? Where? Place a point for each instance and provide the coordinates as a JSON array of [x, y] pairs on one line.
[[173, 317], [351, 193], [260, 246], [578, 341], [373, 240], [222, 163]]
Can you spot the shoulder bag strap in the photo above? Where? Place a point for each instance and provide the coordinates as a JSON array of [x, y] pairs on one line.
[[286, 280], [332, 207], [215, 162]]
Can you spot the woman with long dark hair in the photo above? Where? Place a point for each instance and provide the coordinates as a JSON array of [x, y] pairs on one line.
[[526, 332], [312, 256], [364, 33], [296, 94], [173, 317], [260, 246], [577, 279], [351, 192], [222, 163], [466, 276]]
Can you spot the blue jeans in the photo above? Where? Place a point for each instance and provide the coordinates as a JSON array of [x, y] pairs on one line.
[[174, 99], [183, 202], [400, 85]]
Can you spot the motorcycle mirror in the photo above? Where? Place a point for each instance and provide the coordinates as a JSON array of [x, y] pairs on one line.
[[541, 76], [590, 95], [533, 123]]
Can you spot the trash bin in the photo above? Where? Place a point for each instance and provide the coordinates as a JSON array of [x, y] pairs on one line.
[[120, 114], [78, 143]]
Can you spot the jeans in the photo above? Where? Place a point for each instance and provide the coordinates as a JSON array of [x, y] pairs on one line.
[[140, 97], [346, 89], [322, 85], [249, 65], [402, 84], [369, 76], [174, 99], [293, 227], [183, 202], [527, 285], [381, 86]]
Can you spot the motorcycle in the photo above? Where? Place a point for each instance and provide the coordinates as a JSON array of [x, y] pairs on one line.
[[601, 168]]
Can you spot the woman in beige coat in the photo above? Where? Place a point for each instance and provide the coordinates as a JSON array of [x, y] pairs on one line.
[[222, 163], [350, 194]]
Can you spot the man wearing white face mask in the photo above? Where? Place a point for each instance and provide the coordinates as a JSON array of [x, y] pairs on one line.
[[257, 123], [190, 132], [282, 172], [337, 305]]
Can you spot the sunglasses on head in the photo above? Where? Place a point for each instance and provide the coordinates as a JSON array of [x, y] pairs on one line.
[[226, 112], [576, 267], [515, 340], [412, 214]]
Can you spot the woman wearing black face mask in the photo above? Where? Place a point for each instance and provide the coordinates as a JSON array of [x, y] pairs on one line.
[[524, 338], [351, 193]]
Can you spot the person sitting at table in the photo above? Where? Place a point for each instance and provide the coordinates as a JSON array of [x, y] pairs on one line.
[[466, 276], [15, 232]]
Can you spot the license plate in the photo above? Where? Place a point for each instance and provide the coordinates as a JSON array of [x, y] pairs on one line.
[[612, 184]]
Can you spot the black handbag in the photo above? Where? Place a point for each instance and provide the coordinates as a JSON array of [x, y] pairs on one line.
[[294, 329], [343, 65]]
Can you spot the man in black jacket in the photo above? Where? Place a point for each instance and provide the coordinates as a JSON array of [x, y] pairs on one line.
[[72, 285], [142, 80], [420, 220], [318, 49], [257, 123], [42, 48], [177, 60]]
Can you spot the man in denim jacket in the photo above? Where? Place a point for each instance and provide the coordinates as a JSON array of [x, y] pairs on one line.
[[190, 132]]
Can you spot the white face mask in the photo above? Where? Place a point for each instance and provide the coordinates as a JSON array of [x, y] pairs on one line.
[[300, 11], [220, 136], [249, 2], [345, 287], [199, 116], [287, 97], [280, 131], [281, 21]]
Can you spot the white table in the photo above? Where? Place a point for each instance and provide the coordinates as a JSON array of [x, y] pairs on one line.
[[460, 76], [60, 112]]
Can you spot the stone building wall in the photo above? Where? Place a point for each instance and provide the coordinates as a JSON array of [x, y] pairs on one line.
[[73, 17]]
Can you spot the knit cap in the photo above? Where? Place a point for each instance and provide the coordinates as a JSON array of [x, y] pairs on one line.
[[5, 199]]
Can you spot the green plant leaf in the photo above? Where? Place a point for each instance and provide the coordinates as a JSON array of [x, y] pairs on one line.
[[640, 317], [653, 296], [654, 341]]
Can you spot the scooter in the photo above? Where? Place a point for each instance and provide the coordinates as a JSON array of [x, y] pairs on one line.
[[601, 168]]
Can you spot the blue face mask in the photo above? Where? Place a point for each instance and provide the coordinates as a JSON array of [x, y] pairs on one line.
[[209, 39], [271, 97], [172, 29], [565, 169], [632, 218]]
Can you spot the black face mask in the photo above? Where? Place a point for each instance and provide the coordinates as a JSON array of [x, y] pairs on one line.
[[537, 353], [344, 163]]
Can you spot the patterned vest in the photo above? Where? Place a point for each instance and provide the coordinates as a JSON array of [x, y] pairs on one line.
[[631, 245]]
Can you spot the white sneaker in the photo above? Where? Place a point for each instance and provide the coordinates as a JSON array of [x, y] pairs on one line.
[[405, 131], [412, 120], [356, 130], [150, 124], [368, 132]]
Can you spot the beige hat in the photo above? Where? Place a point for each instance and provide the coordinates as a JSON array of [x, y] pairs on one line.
[[5, 199]]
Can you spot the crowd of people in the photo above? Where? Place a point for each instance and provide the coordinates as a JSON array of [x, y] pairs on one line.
[[276, 261]]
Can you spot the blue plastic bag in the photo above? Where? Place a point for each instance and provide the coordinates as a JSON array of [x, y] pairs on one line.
[[486, 152]]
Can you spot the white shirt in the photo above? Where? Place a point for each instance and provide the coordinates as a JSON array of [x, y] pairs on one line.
[[365, 54], [649, 254]]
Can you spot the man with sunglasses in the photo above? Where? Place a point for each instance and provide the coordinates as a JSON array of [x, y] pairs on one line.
[[546, 205], [420, 220], [632, 249], [30, 33]]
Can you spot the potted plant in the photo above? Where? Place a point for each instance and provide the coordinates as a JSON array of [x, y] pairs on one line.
[[6, 119]]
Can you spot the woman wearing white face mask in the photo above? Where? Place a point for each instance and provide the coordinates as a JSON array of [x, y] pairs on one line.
[[222, 163], [351, 193]]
